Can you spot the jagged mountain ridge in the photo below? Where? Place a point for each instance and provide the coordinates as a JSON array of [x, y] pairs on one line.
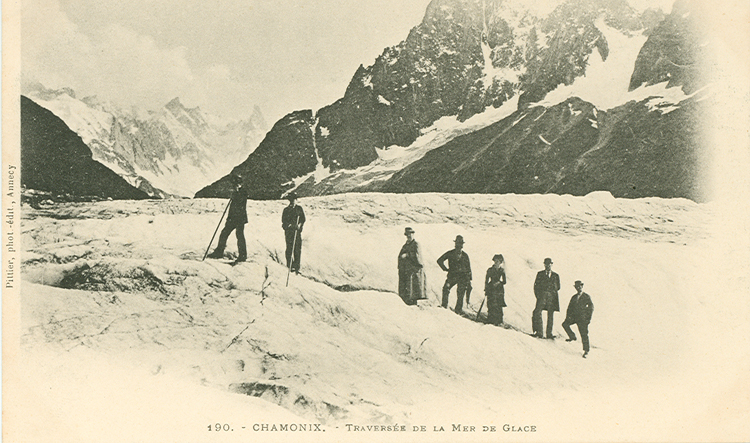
[[648, 146], [466, 55], [470, 56], [172, 151], [55, 159]]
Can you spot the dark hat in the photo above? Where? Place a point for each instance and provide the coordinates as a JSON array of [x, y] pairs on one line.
[[578, 283], [548, 260], [498, 257], [291, 196], [459, 239], [408, 231], [235, 177]]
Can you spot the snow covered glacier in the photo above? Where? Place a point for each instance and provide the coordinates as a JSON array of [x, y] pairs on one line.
[[119, 312]]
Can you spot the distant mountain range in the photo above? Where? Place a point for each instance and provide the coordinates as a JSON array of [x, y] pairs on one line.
[[171, 152], [506, 97], [55, 160]]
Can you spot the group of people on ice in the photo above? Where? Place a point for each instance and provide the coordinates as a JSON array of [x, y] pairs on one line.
[[412, 287], [411, 276], [292, 221]]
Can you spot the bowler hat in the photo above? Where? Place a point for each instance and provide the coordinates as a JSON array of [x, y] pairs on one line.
[[459, 239], [498, 257], [408, 231], [547, 260]]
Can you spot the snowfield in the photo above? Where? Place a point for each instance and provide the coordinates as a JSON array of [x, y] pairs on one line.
[[126, 334]]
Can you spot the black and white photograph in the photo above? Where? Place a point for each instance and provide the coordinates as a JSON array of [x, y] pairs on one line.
[[384, 220]]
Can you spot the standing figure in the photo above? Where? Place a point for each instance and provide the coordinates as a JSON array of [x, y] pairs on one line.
[[494, 290], [459, 273], [580, 310], [546, 285], [411, 280], [292, 220], [236, 220]]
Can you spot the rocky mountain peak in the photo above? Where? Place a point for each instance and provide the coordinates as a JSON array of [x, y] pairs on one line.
[[38, 89], [470, 55], [675, 51], [175, 106], [189, 117]]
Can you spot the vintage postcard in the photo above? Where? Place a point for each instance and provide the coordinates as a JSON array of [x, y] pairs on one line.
[[345, 221]]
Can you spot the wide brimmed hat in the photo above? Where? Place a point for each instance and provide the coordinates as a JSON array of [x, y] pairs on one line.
[[408, 231], [459, 240]]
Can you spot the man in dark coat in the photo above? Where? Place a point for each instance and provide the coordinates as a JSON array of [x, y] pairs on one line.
[[459, 273], [411, 281], [292, 220], [546, 285], [236, 220], [580, 310]]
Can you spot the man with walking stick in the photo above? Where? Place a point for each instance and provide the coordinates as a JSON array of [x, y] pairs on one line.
[[292, 220], [236, 221]]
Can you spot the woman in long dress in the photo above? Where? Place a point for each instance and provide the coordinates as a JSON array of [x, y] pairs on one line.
[[411, 278]]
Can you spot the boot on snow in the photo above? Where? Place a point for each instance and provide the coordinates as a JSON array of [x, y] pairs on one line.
[[216, 254]]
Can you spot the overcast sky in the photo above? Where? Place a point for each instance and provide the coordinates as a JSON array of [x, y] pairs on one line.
[[226, 56]]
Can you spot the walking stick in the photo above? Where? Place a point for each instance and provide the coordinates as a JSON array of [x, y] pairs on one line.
[[217, 230], [294, 245], [480, 308]]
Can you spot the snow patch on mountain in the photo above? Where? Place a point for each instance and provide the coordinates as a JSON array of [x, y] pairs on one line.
[[367, 80], [492, 73], [394, 158], [320, 172], [383, 101], [605, 84], [666, 99], [442, 131]]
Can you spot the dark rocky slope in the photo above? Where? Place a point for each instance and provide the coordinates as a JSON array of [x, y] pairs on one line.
[[288, 151], [571, 148], [55, 159], [675, 52]]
